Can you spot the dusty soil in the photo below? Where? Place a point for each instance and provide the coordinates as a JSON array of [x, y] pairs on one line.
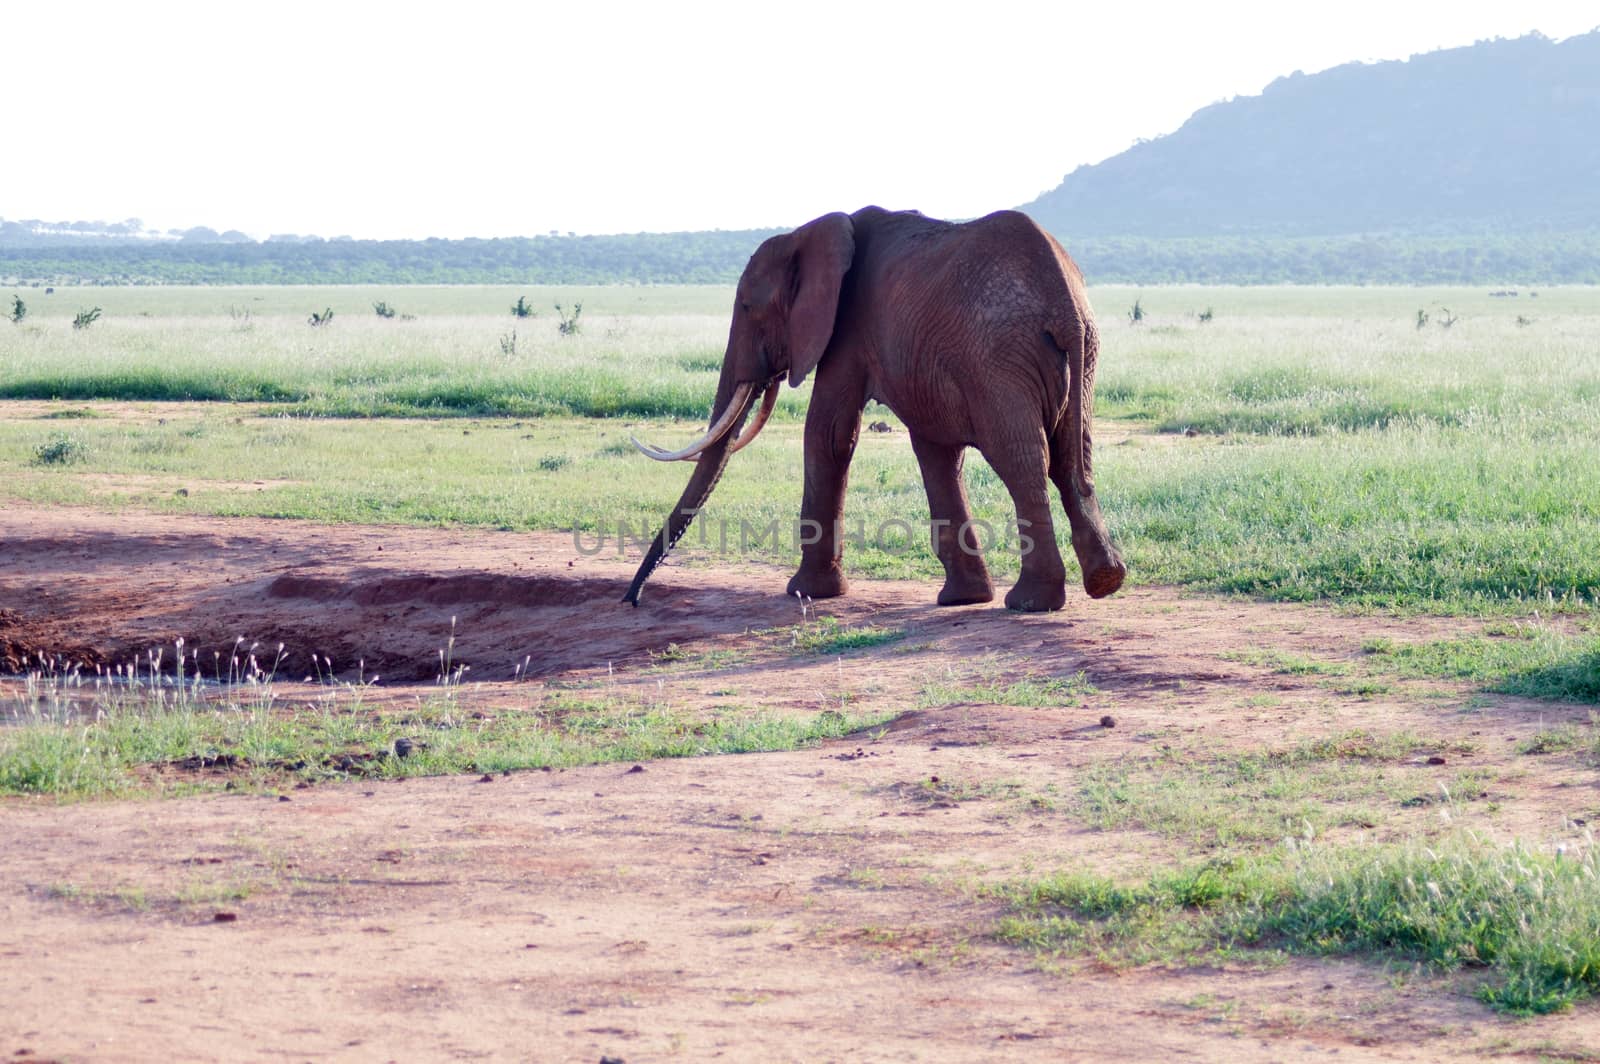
[[815, 905]]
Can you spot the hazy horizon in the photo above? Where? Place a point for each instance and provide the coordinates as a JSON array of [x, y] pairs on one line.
[[376, 123]]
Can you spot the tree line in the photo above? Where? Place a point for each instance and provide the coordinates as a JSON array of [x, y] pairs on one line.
[[718, 257]]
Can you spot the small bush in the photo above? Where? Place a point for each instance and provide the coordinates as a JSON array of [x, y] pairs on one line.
[[569, 323], [1206, 315], [324, 318], [86, 318], [60, 449], [382, 309], [521, 309], [19, 310], [1136, 315], [552, 462], [508, 343]]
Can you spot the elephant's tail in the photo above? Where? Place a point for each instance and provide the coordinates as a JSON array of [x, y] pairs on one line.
[[1079, 341]]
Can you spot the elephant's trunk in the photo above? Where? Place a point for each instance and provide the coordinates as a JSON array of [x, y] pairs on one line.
[[708, 470]]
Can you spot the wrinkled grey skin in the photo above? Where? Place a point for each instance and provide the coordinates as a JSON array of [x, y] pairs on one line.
[[976, 334]]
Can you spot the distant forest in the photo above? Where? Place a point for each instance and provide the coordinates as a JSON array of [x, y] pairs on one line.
[[718, 258], [642, 258]]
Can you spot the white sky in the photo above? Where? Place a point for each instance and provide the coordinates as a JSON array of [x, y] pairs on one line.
[[472, 119]]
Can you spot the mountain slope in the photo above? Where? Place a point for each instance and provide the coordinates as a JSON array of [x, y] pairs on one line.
[[1497, 136]]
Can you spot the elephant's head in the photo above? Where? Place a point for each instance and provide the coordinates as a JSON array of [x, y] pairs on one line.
[[783, 318]]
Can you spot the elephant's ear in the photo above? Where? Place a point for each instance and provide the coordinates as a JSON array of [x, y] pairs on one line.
[[822, 255]]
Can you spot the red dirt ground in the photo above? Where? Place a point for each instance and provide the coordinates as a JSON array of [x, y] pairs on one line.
[[812, 905]]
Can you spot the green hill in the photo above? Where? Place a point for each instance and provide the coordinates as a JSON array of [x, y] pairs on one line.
[[1497, 138]]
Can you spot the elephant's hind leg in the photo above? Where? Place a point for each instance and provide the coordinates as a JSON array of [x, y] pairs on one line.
[[1102, 565], [966, 578], [1022, 463]]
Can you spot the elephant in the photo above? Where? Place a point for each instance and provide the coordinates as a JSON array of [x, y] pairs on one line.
[[976, 334]]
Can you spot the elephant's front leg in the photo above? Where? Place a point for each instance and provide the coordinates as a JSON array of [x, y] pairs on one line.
[[966, 578], [833, 424]]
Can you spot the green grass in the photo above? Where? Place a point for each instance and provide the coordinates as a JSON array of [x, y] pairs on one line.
[[165, 738], [1527, 921], [1207, 799], [1034, 692], [1344, 455], [1533, 660], [1580, 739], [829, 635]]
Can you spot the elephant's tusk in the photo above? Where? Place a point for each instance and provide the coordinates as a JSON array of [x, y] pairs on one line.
[[731, 413], [769, 402], [752, 430]]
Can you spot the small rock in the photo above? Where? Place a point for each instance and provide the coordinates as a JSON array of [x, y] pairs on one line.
[[486, 778], [1436, 760], [1108, 721], [182, 493], [284, 798], [636, 768], [224, 918], [403, 747]]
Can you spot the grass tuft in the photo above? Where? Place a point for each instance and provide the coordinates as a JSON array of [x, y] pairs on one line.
[[1529, 920]]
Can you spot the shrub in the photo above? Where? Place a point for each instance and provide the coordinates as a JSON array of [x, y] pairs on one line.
[[60, 449], [521, 309], [19, 310], [86, 318], [569, 324], [382, 309], [321, 319]]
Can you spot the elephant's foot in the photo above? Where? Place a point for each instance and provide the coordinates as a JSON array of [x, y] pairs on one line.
[[1037, 596], [1103, 569], [812, 584], [1104, 580], [966, 590]]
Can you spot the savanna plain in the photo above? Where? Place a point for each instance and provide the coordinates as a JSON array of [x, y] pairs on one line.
[[324, 733]]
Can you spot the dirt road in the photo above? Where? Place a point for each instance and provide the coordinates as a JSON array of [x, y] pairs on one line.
[[823, 904]]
